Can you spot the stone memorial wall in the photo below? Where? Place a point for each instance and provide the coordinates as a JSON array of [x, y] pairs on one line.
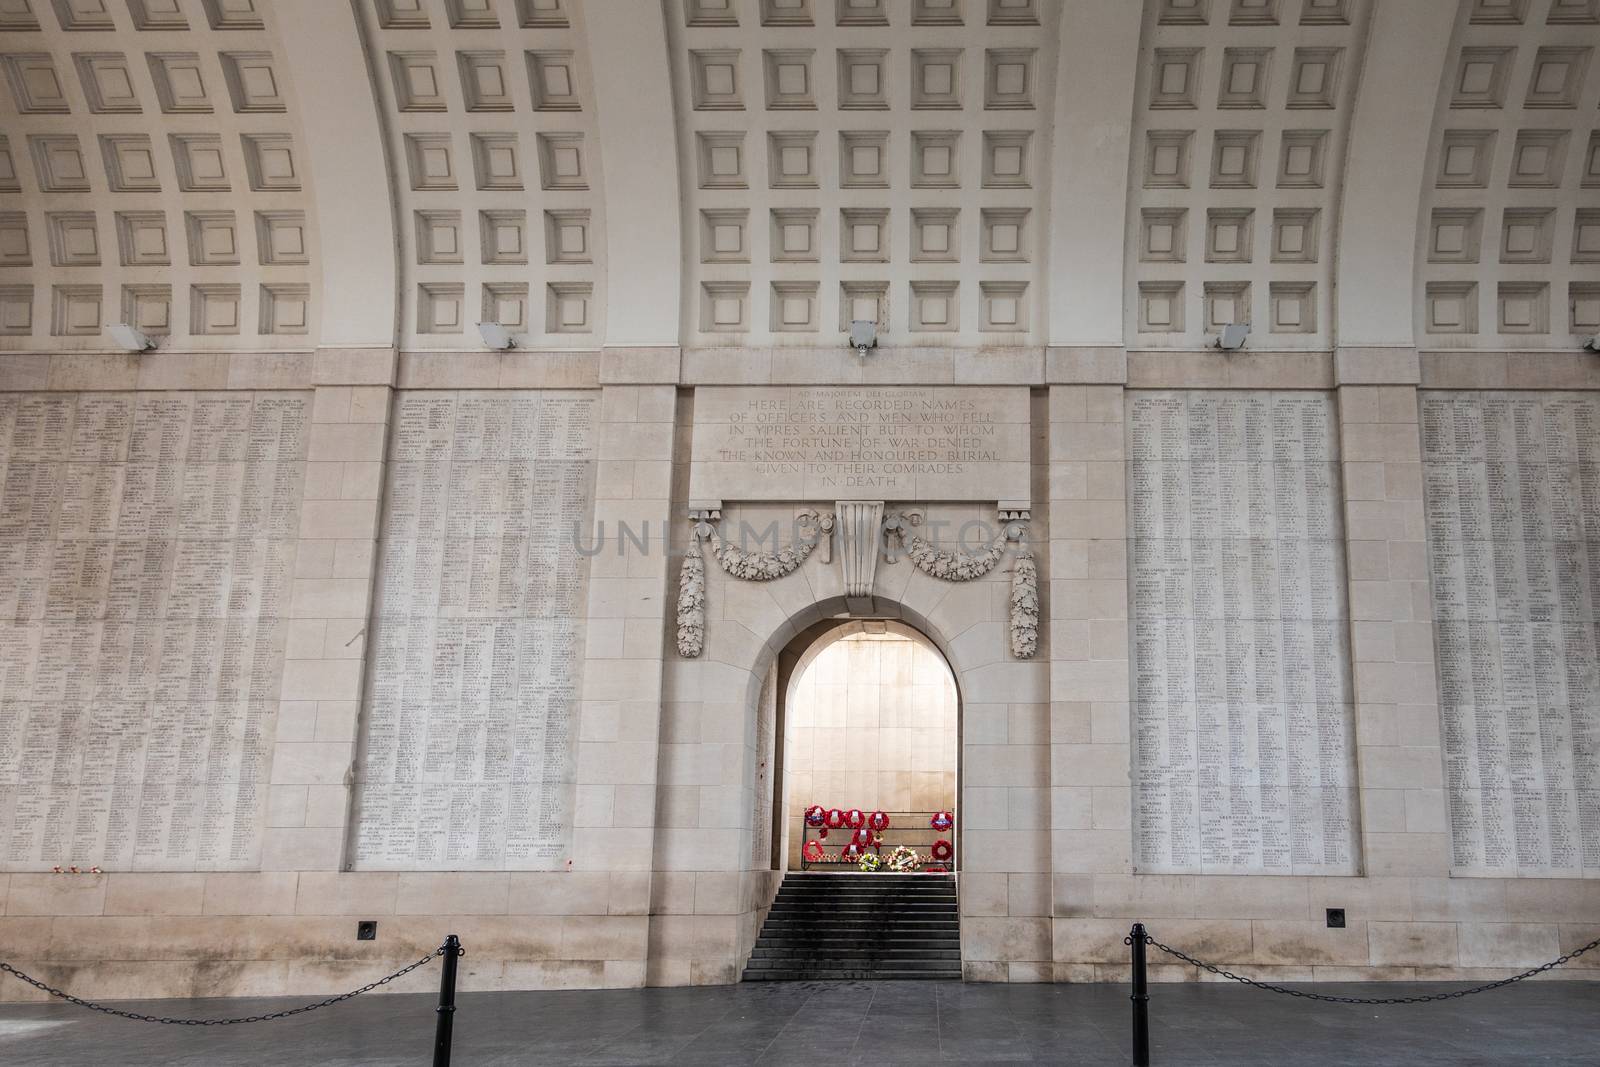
[[1513, 506], [469, 743], [1242, 720], [293, 614], [146, 545]]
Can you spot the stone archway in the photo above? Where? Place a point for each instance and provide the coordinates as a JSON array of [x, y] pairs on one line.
[[711, 884], [788, 772]]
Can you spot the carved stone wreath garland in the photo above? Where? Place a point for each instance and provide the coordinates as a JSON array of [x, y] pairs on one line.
[[938, 563], [760, 566], [692, 603], [955, 566], [961, 567], [738, 563], [1024, 604]]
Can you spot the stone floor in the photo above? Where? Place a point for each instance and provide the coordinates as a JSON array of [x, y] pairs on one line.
[[1541, 1022]]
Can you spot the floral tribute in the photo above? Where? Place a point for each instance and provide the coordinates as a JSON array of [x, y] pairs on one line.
[[903, 859], [863, 844]]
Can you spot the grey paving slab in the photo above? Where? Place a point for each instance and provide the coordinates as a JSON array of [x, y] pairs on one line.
[[1545, 1023]]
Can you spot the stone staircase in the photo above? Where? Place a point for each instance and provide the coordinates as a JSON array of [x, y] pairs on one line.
[[853, 926]]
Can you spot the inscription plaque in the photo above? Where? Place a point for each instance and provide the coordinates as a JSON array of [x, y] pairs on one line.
[[469, 743], [1242, 714], [1512, 487], [877, 442], [146, 545]]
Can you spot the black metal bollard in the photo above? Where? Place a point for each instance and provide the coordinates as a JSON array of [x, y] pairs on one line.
[[447, 1002], [1140, 998]]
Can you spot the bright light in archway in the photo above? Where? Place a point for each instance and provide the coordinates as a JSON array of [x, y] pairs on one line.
[[872, 724]]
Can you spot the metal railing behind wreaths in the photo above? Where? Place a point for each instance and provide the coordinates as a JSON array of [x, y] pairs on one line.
[[910, 828]]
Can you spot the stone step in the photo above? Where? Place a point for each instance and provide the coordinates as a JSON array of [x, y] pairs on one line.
[[869, 887], [850, 890], [859, 926], [822, 938], [863, 918], [872, 885], [824, 901], [910, 892], [843, 974], [848, 952], [876, 931], [864, 904], [806, 877], [829, 962], [897, 925], [861, 915]]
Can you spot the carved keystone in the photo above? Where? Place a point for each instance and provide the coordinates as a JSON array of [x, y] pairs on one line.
[[860, 524]]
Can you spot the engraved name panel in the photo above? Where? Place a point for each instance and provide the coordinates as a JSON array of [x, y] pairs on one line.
[[469, 737], [1512, 488], [146, 545], [1242, 715]]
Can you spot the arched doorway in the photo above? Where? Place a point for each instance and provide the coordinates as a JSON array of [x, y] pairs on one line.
[[718, 864], [865, 714], [859, 714]]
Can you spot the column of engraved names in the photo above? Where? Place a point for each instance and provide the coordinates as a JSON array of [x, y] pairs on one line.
[[144, 550], [1242, 707], [1513, 495], [468, 750]]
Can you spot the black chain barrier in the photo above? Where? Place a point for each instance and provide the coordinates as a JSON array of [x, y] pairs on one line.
[[62, 994], [1427, 998], [1138, 938], [451, 950]]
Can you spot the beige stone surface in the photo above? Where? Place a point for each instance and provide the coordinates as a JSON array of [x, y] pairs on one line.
[[628, 288], [907, 443]]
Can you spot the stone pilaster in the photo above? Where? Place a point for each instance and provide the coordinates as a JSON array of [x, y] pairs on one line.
[[329, 606], [1089, 731], [624, 645], [1400, 770]]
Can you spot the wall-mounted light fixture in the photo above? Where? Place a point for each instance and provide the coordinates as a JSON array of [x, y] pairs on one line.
[[129, 338], [1231, 339], [863, 335], [496, 336]]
